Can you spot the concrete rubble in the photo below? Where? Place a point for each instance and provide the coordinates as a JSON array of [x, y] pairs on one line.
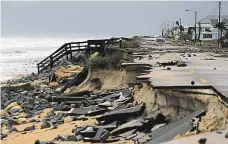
[[117, 114]]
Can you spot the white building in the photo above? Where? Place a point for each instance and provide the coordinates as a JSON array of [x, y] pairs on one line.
[[208, 30]]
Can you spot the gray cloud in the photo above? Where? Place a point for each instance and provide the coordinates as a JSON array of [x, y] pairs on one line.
[[82, 19]]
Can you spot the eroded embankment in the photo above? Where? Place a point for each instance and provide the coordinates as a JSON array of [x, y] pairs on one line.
[[104, 79], [177, 103]]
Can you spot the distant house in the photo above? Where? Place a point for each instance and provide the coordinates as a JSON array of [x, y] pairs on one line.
[[208, 30]]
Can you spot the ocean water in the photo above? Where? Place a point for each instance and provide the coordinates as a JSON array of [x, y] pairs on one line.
[[20, 55]]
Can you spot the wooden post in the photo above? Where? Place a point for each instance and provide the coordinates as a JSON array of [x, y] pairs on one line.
[[38, 66], [120, 43], [66, 52], [51, 62], [102, 47], [88, 49], [70, 52]]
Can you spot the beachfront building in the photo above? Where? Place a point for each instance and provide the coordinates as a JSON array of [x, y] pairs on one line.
[[208, 30]]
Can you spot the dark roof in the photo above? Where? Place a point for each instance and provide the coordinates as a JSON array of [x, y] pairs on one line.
[[212, 17]]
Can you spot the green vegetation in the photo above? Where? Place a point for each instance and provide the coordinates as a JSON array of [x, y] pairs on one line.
[[131, 43], [112, 59], [186, 37], [99, 62], [115, 55]]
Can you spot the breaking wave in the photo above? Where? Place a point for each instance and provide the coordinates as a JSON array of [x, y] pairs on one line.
[[20, 55]]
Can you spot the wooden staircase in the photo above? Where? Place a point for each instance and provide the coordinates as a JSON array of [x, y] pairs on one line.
[[74, 47]]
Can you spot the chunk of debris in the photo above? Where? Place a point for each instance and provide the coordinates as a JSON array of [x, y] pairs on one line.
[[181, 64], [122, 113], [192, 83], [105, 104], [226, 135], [128, 133], [128, 126], [29, 128], [202, 141], [158, 126], [3, 136], [88, 132], [59, 137], [12, 129], [45, 124], [71, 138], [101, 135]]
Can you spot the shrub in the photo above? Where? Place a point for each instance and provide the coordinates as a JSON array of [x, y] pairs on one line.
[[116, 57], [130, 44], [99, 62]]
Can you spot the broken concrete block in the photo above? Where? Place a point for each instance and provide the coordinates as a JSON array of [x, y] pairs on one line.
[[127, 126], [71, 138], [45, 124], [181, 64], [101, 135], [202, 141], [15, 87], [3, 136], [158, 126], [29, 128], [105, 104], [226, 135], [168, 68], [121, 114], [128, 133], [108, 127], [88, 132]]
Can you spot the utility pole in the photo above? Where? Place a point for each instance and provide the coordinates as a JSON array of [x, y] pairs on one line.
[[173, 29], [195, 26], [180, 27], [220, 17], [165, 29], [162, 32], [219, 29]]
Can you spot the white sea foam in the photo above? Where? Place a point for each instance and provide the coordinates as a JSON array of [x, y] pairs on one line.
[[20, 55]]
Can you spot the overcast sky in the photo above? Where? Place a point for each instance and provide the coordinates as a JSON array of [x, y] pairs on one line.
[[91, 19]]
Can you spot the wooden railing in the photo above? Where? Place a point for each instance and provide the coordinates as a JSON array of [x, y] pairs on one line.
[[65, 50], [69, 48]]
